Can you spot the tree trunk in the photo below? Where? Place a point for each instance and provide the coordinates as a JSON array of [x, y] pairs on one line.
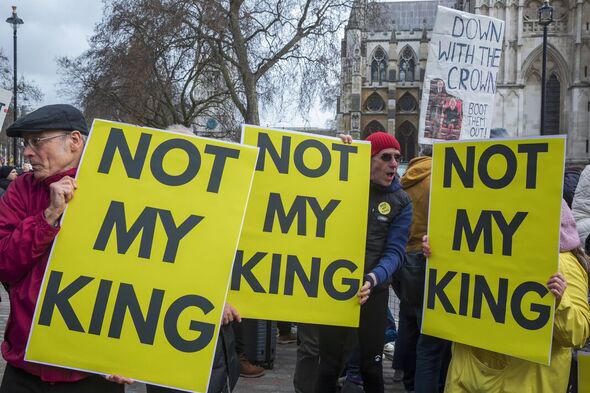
[[252, 115], [248, 78]]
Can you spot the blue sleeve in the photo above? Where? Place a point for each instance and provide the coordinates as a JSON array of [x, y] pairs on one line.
[[395, 248]]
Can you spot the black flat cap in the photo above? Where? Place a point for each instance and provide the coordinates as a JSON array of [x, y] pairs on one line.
[[50, 117]]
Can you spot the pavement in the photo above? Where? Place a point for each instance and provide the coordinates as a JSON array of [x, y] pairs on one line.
[[280, 379], [277, 380]]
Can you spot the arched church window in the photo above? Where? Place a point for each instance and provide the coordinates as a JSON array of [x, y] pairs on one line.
[[372, 127], [407, 137], [407, 103], [552, 108], [375, 103], [407, 65], [379, 66]]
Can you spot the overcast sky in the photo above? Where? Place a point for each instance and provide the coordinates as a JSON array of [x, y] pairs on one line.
[[52, 28], [55, 28]]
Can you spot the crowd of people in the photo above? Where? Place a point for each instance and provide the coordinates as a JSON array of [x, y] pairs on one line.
[[8, 173], [329, 358]]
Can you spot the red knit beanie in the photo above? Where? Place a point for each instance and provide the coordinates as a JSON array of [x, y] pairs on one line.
[[382, 140]]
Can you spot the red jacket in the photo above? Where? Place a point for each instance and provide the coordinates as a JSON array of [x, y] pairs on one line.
[[25, 242]]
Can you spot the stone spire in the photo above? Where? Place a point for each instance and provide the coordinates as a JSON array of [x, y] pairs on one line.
[[393, 38], [423, 53], [357, 15]]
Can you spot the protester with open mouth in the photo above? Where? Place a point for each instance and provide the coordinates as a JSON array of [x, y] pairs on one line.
[[389, 219]]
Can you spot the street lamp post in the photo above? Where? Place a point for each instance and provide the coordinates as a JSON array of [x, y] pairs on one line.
[[15, 21], [545, 19]]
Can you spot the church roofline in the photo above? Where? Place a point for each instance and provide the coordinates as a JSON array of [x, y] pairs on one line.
[[404, 15]]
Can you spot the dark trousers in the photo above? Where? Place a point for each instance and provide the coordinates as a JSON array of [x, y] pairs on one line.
[[284, 328], [373, 320], [239, 336], [308, 358], [424, 359], [353, 366], [404, 356], [573, 382], [16, 380], [433, 356]]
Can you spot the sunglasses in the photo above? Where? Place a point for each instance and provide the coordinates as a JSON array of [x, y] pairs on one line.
[[386, 157]]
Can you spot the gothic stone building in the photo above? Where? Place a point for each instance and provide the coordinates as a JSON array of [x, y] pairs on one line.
[[384, 55]]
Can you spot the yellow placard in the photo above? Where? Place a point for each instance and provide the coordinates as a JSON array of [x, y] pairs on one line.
[[302, 249], [583, 372], [138, 275], [494, 233]]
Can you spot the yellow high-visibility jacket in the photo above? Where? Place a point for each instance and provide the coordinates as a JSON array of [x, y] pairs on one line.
[[477, 370]]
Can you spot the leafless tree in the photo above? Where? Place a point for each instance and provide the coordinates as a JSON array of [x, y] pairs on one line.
[[265, 48], [144, 66], [159, 62]]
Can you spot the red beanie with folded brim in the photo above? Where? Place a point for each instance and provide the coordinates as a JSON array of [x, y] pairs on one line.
[[382, 140]]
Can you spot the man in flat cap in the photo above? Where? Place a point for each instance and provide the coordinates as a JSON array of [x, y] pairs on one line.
[[54, 138]]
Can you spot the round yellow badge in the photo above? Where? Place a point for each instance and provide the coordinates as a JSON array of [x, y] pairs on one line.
[[384, 208]]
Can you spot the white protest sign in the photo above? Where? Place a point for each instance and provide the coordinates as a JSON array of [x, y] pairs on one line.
[[5, 98], [460, 80]]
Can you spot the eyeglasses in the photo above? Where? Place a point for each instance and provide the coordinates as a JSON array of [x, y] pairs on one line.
[[35, 142], [386, 157]]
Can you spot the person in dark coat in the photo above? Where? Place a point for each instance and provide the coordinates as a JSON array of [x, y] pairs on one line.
[[389, 219], [7, 175]]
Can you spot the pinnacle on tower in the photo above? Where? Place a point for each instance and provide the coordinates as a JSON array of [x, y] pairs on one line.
[[393, 37], [357, 15]]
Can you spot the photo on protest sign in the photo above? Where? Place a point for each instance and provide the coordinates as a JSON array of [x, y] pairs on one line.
[[138, 275], [302, 249], [5, 99], [493, 228], [460, 79]]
